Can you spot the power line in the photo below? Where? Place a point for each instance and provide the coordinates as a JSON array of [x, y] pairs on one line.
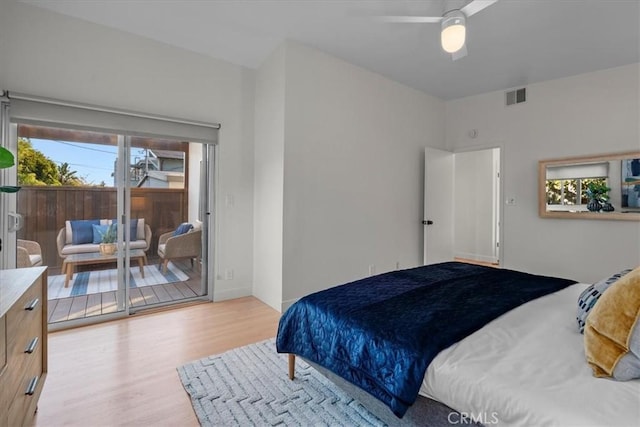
[[81, 165], [83, 147]]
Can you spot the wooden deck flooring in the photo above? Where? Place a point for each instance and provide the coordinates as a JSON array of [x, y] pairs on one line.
[[82, 306], [96, 304]]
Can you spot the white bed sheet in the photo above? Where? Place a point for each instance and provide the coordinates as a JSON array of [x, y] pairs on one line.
[[528, 368]]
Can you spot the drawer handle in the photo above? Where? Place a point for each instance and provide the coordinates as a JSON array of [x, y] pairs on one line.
[[32, 386], [32, 345], [32, 305]]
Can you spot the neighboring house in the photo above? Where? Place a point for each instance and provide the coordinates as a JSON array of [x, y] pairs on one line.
[[159, 169], [171, 161], [162, 179], [323, 159]]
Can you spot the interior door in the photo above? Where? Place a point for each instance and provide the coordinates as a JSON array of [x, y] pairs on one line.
[[438, 205]]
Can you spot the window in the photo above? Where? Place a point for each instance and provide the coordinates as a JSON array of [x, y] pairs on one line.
[[566, 185], [568, 192]]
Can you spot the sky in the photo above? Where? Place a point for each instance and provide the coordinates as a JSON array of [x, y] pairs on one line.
[[92, 162]]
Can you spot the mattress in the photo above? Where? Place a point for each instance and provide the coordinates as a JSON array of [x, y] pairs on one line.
[[528, 368]]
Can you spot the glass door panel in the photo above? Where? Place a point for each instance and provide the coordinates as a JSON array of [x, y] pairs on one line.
[[68, 201], [166, 197]]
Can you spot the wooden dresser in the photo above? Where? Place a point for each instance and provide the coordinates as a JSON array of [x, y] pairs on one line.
[[23, 343]]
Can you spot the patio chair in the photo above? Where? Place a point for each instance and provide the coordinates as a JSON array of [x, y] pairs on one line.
[[183, 246], [29, 254]]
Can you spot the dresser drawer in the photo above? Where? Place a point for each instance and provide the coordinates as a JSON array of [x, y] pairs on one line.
[[22, 350], [26, 310], [29, 387]]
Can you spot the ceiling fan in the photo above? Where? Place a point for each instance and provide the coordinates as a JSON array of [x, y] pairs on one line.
[[453, 23]]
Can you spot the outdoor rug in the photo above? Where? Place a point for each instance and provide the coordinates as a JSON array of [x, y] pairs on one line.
[[249, 386], [94, 282]]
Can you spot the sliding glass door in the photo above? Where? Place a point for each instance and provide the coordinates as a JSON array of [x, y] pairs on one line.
[[116, 204], [121, 222]]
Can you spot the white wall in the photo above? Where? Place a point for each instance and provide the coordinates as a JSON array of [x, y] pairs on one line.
[[48, 54], [586, 114], [269, 179], [353, 171]]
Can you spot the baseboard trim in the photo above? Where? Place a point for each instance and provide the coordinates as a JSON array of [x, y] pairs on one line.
[[227, 294]]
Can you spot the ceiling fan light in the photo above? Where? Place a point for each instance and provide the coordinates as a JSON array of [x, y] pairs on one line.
[[454, 32]]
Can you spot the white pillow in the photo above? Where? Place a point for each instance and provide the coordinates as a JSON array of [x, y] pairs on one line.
[[68, 232], [140, 230]]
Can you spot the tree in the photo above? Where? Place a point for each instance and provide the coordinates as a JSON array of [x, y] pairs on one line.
[[66, 176], [34, 168], [554, 191]]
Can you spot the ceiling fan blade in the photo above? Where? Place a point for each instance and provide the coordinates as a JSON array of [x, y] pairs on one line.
[[410, 19], [460, 54], [476, 6]]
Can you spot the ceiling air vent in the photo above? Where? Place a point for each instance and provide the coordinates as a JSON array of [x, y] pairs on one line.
[[516, 96]]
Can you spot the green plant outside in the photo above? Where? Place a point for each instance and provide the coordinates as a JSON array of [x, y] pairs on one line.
[[598, 191], [110, 235]]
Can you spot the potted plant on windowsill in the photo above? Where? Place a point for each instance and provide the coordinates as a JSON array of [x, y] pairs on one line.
[[108, 243], [598, 193]]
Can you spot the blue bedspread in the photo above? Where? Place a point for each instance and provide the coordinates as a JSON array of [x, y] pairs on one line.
[[380, 333]]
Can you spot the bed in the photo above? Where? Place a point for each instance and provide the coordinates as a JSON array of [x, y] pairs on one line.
[[503, 349]]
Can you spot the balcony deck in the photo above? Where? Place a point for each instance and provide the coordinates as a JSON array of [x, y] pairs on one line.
[[104, 303], [83, 306]]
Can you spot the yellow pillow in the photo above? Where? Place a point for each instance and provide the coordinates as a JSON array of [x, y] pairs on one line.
[[612, 330]]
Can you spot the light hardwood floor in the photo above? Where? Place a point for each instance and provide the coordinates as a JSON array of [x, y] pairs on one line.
[[472, 261], [123, 373]]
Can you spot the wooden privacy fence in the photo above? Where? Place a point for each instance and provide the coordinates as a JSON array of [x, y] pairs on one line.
[[45, 210]]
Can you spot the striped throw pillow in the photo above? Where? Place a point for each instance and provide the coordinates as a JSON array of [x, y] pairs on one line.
[[590, 296]]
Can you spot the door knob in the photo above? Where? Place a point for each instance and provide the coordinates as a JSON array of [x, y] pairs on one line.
[[427, 222]]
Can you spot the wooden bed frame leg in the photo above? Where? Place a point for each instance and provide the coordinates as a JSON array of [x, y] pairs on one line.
[[292, 365]]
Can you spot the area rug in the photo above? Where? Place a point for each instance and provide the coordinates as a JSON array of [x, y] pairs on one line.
[[94, 282], [249, 386]]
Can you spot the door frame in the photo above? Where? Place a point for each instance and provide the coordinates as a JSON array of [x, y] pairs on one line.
[[8, 176], [498, 207]]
